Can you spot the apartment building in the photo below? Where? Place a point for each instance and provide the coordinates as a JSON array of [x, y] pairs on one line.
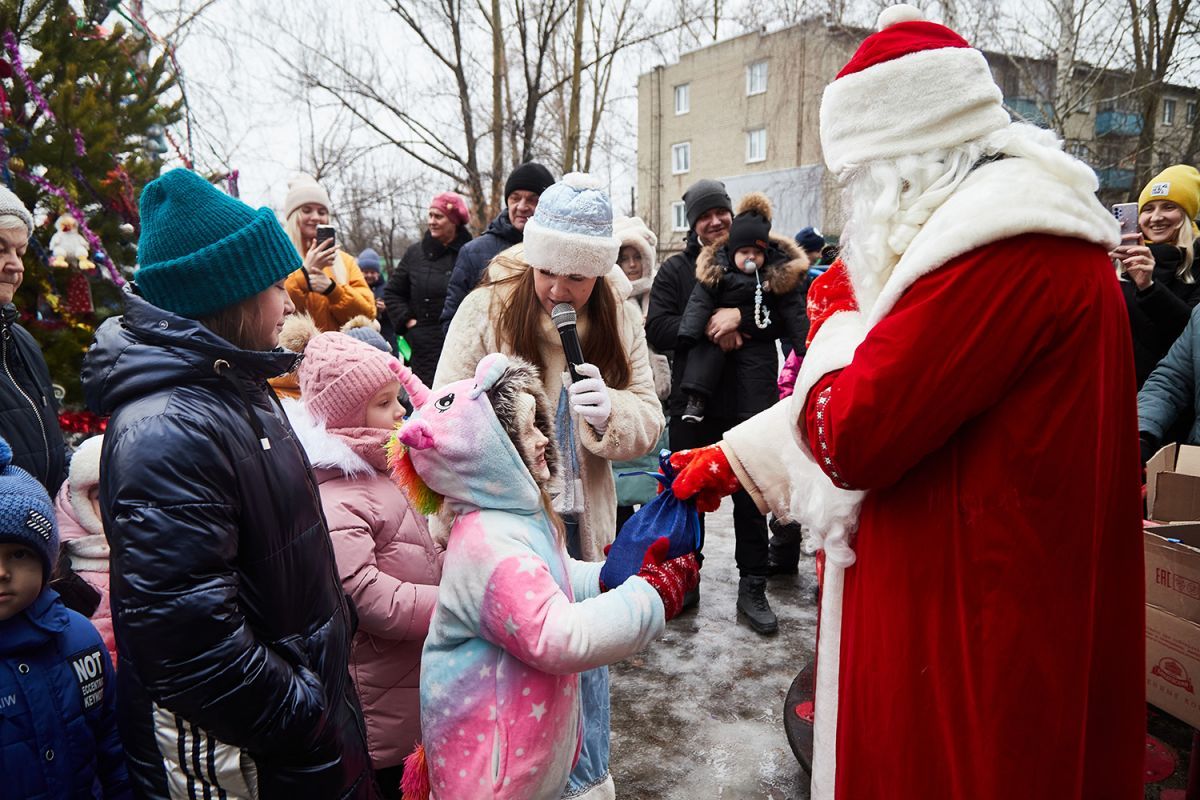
[[746, 111]]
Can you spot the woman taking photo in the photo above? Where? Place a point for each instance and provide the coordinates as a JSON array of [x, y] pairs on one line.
[[329, 287], [611, 414], [416, 291], [1159, 276]]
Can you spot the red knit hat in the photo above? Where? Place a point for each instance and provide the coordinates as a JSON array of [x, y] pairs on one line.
[[913, 87], [453, 206], [339, 375]]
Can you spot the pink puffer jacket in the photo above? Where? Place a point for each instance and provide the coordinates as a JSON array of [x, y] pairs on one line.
[[390, 568], [83, 537]]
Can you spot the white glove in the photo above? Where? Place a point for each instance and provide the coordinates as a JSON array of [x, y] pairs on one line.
[[589, 398]]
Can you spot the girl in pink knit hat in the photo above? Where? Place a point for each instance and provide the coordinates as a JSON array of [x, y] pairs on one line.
[[388, 563]]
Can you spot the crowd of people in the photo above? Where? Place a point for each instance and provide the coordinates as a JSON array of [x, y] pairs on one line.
[[345, 534]]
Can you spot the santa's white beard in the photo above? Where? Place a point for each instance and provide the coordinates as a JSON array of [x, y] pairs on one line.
[[889, 201]]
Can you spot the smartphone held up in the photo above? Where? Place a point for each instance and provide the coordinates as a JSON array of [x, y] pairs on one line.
[[1127, 216], [329, 233]]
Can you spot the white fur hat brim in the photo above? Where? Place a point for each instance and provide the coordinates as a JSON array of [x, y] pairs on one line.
[[564, 253], [633, 232], [923, 101]]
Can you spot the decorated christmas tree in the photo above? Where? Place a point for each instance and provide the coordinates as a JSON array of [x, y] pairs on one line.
[[85, 115]]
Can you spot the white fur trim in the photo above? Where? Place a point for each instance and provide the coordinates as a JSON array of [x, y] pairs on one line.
[[997, 201], [621, 286], [831, 349], [566, 253], [88, 553], [901, 12], [581, 181], [84, 473], [923, 101], [325, 451], [825, 694]]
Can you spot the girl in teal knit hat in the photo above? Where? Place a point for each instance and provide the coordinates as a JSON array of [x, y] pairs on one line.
[[234, 632]]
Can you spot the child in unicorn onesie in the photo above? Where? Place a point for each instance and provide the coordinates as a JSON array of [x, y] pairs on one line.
[[516, 620]]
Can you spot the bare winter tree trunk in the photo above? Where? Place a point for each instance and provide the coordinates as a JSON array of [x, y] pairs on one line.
[[497, 111], [572, 146]]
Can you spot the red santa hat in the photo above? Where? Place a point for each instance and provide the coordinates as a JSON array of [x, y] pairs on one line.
[[913, 87]]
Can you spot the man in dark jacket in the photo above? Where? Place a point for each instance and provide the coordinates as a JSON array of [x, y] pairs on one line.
[[524, 186], [710, 213], [28, 412], [232, 627]]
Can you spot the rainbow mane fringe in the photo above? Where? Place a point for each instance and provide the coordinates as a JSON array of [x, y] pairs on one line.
[[414, 785], [425, 500]]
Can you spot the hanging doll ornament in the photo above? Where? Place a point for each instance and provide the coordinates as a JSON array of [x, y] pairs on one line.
[[68, 244]]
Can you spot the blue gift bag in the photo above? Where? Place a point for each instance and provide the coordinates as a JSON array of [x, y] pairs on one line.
[[665, 515]]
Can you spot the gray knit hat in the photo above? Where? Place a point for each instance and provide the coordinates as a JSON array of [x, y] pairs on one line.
[[11, 205], [703, 195]]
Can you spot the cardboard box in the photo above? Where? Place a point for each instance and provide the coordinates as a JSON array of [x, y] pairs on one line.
[[1173, 484], [1173, 665], [1173, 569]]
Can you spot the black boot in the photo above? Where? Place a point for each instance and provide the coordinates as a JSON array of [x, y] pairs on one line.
[[752, 602], [783, 551]]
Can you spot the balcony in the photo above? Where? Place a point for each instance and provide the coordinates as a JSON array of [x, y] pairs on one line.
[[1030, 111], [1115, 178], [1118, 123]]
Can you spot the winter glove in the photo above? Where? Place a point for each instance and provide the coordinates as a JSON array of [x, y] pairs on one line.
[[654, 555], [705, 474], [589, 398], [672, 580], [829, 293]]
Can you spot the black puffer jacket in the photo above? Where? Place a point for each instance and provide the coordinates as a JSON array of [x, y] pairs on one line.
[[417, 290], [473, 260], [720, 285], [231, 624], [28, 414], [1160, 312], [669, 294]]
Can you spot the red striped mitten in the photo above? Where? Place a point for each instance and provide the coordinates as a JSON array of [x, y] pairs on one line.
[[672, 580]]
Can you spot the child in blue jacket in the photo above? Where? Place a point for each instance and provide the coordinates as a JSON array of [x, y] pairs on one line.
[[58, 726]]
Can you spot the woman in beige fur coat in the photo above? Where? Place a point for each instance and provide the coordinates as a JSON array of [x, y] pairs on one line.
[[611, 414]]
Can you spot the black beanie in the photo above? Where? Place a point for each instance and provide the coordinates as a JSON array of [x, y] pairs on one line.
[[703, 195], [530, 176], [749, 229]]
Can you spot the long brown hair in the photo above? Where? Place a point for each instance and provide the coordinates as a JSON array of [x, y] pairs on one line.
[[236, 324], [518, 322]]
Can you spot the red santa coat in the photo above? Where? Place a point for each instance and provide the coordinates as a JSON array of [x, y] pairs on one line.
[[991, 626]]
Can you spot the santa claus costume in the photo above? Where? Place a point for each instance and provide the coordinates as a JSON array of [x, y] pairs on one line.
[[965, 450]]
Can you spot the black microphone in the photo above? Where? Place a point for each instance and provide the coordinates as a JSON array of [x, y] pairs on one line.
[[563, 316]]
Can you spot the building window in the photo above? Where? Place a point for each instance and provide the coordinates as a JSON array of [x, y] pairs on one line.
[[681, 158], [679, 217], [1190, 114], [756, 78], [683, 98], [1168, 112], [756, 145]]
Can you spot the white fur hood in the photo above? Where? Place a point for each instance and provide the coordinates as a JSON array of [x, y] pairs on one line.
[[324, 450]]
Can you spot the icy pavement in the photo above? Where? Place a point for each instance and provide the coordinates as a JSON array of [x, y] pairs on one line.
[[699, 714]]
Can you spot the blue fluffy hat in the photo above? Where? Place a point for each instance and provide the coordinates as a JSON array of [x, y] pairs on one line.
[[26, 515], [571, 232]]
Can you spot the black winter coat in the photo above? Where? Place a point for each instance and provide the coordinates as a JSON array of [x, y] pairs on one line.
[[720, 285], [28, 412], [417, 290], [473, 260], [1158, 314], [232, 629]]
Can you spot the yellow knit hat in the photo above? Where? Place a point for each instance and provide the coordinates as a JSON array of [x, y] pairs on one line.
[[1180, 184]]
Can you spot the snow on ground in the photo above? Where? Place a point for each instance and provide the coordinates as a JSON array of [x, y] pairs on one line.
[[699, 714]]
